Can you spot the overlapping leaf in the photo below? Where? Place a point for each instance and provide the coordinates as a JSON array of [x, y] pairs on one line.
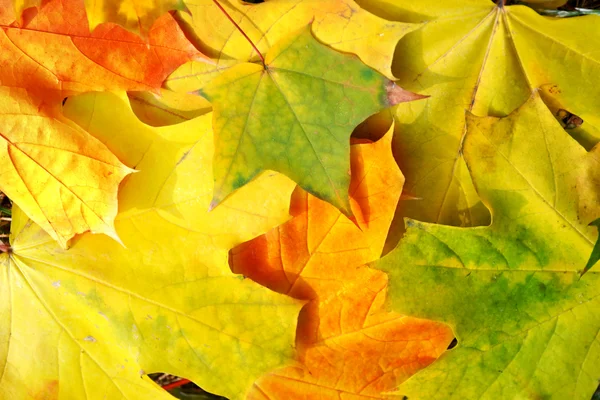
[[351, 346], [527, 323], [91, 321], [340, 24], [295, 115], [63, 178], [136, 15], [472, 55]]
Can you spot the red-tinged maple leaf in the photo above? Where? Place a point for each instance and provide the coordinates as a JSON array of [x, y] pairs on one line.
[[349, 343], [55, 50]]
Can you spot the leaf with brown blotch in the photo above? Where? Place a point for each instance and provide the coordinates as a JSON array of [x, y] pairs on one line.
[[349, 343]]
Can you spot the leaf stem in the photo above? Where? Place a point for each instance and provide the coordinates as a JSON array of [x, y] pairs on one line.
[[5, 248], [242, 32]]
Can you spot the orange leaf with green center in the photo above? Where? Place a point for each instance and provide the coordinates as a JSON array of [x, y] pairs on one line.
[[349, 343], [61, 176], [295, 115]]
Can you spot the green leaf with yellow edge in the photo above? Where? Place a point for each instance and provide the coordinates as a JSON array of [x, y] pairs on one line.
[[92, 321], [136, 15], [474, 56], [295, 115], [527, 325], [341, 24]]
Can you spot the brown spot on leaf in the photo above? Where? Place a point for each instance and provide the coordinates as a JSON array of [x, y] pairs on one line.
[[395, 94]]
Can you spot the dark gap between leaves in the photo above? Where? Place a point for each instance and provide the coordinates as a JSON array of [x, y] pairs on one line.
[[452, 344], [182, 388]]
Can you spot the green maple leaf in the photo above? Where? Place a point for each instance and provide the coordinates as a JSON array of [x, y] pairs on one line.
[[527, 323], [295, 115]]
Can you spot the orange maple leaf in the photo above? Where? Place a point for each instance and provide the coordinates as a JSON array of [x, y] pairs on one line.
[[349, 343], [52, 48]]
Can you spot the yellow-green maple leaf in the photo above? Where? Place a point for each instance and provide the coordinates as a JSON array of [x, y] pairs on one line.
[[472, 55], [92, 321], [295, 115], [527, 324]]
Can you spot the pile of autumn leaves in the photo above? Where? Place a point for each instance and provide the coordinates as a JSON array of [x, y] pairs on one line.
[[122, 106]]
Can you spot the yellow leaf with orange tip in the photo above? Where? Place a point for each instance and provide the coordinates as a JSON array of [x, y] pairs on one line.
[[91, 322], [135, 15], [341, 24], [350, 345], [61, 176]]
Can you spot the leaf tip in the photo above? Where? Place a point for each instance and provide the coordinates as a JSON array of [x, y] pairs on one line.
[[213, 204], [395, 94]]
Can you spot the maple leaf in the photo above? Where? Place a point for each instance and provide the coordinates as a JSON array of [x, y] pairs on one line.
[[349, 343], [472, 55], [63, 178], [136, 15], [527, 324], [56, 51], [93, 320], [294, 115], [340, 24]]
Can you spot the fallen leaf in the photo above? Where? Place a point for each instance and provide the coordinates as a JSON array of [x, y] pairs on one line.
[[61, 175], [99, 317], [349, 343], [63, 178], [472, 55], [340, 24], [167, 108], [526, 322], [294, 115], [136, 15], [56, 51]]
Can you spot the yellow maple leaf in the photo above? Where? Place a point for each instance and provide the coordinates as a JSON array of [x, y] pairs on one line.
[[472, 55], [63, 178], [98, 317]]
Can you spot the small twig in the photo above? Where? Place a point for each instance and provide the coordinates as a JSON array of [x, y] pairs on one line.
[[175, 384], [5, 219], [242, 32]]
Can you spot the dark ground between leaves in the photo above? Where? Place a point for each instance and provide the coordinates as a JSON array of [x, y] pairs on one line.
[[590, 4]]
